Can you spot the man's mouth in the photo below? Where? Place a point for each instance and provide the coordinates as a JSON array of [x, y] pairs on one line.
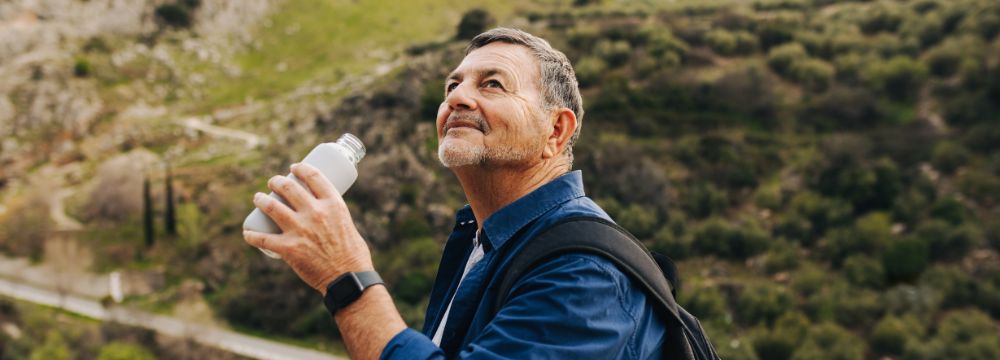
[[455, 124]]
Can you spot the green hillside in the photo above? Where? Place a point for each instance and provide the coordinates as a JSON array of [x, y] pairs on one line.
[[826, 173]]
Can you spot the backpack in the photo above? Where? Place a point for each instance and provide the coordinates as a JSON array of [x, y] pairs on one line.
[[655, 273]]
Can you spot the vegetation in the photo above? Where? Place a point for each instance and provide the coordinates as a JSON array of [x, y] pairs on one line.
[[825, 171]]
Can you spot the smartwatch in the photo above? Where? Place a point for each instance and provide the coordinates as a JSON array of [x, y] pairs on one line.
[[347, 288]]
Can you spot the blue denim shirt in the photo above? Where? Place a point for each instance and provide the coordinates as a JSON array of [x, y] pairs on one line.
[[575, 306]]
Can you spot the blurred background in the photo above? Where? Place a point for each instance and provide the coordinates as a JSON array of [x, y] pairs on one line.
[[826, 172]]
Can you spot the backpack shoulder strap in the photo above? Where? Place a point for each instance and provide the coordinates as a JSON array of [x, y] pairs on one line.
[[597, 236]]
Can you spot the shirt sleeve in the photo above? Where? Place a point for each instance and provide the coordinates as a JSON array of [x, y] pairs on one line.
[[570, 307]]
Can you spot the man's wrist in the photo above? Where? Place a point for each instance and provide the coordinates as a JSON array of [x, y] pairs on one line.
[[348, 288]]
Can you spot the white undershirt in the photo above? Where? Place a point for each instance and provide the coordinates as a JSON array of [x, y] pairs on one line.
[[477, 254]]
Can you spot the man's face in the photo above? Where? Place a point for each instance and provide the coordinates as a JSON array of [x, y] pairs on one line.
[[492, 113]]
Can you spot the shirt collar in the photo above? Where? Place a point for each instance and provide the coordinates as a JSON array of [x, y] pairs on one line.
[[507, 221]]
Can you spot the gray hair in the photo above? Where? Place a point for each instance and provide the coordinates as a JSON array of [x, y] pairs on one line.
[[558, 81]]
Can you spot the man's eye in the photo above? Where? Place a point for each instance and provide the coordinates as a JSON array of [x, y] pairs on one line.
[[493, 84], [450, 87]]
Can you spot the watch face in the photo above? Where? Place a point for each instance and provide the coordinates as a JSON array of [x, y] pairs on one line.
[[345, 290]]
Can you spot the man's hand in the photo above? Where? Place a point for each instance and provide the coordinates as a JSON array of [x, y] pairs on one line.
[[318, 240]]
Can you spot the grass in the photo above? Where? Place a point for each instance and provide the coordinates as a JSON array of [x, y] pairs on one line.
[[321, 42]]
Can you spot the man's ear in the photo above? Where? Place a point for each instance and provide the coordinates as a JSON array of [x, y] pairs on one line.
[[563, 127]]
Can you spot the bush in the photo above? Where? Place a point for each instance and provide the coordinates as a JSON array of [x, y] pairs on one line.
[[731, 43], [830, 342], [666, 241], [705, 302], [81, 68], [781, 58], [870, 235], [589, 70], [820, 213], [948, 156], [842, 108], [905, 259], [781, 342], [783, 256], [717, 237], [881, 17], [814, 74], [864, 270], [25, 226], [943, 60], [900, 77], [950, 210], [704, 200], [473, 23], [614, 53], [965, 334], [174, 15], [890, 335], [981, 186], [639, 220], [992, 233], [763, 303]]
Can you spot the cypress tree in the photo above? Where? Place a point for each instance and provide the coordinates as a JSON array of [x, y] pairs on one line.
[[147, 213], [171, 215]]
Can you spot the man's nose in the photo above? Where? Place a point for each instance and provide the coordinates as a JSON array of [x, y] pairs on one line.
[[460, 98]]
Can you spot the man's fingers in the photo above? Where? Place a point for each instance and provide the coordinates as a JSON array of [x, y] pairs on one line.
[[294, 193], [266, 241], [280, 213], [314, 180]]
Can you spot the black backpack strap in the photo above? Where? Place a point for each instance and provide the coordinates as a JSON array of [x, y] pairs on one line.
[[605, 238]]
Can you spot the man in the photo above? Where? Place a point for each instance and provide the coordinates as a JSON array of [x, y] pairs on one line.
[[511, 114]]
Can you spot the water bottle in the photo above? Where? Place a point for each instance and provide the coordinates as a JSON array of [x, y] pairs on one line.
[[337, 161]]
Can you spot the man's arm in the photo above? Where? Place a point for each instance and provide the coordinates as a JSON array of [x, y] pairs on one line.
[[320, 242]]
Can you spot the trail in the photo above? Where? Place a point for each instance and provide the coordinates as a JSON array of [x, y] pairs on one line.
[[236, 343]]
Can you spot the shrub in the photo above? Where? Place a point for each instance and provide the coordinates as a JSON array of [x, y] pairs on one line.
[[820, 212], [781, 58], [639, 220], [957, 288], [881, 17], [905, 259], [666, 241], [870, 235], [781, 342], [814, 74], [918, 301], [830, 342], [948, 156], [705, 302], [717, 237], [783, 256], [965, 334], [864, 270], [981, 186], [949, 209], [473, 23], [992, 233], [899, 77], [174, 15], [81, 68], [614, 53], [809, 280], [731, 43], [763, 303], [589, 70], [25, 226], [842, 108], [891, 334], [704, 200]]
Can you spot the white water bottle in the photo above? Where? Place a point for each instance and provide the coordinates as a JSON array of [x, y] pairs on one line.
[[337, 161]]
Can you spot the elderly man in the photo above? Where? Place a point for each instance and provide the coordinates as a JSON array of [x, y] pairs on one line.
[[511, 114]]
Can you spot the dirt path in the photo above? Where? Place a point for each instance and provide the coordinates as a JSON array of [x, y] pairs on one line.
[[233, 342], [251, 140]]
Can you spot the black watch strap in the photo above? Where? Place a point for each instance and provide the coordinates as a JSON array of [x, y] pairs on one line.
[[347, 288]]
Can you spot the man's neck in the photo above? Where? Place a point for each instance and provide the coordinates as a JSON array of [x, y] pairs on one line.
[[490, 188]]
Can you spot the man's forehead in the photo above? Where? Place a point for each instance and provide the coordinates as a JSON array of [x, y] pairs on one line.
[[501, 56]]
